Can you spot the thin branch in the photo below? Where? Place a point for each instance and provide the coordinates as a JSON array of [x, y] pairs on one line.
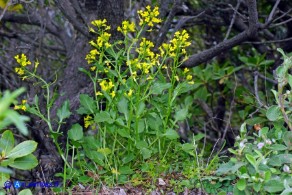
[[167, 23], [233, 19], [267, 79], [256, 91], [281, 23], [269, 42], [283, 15], [272, 14], [184, 20], [5, 9]]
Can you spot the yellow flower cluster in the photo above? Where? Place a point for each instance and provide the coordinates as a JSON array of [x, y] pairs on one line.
[[22, 106], [91, 56], [23, 62], [145, 48], [149, 16], [99, 23], [189, 77], [88, 121], [101, 42], [107, 86], [177, 44], [127, 27]]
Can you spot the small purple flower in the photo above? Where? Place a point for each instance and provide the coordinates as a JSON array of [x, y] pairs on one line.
[[286, 169], [260, 145]]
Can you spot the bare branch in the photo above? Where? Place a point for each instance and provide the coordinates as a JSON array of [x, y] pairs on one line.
[[167, 23], [208, 54], [252, 19], [272, 14], [256, 91], [233, 19]]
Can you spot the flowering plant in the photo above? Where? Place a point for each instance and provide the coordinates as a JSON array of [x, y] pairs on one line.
[[135, 111]]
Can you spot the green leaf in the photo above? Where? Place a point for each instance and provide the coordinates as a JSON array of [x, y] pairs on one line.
[[273, 113], [64, 111], [187, 147], [158, 88], [141, 108], [287, 138], [241, 184], [141, 126], [255, 120], [182, 88], [171, 134], [146, 153], [8, 98], [103, 116], [199, 136], [263, 131], [181, 114], [251, 159], [88, 105], [290, 80], [257, 186], [123, 107], [128, 158], [277, 147], [141, 144], [25, 163], [229, 167], [3, 178], [104, 151], [124, 133], [273, 186], [25, 192], [7, 141], [6, 170], [76, 132], [126, 170], [18, 120], [22, 149], [280, 159], [201, 93]]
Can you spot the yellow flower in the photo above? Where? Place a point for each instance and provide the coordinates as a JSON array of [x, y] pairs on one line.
[[93, 68], [23, 107], [98, 93], [186, 70], [22, 60], [127, 27], [23, 101], [113, 94], [105, 86], [16, 107], [92, 55], [36, 64], [189, 77], [176, 78], [191, 82], [129, 94], [99, 23], [149, 16], [115, 171], [88, 121], [19, 71]]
